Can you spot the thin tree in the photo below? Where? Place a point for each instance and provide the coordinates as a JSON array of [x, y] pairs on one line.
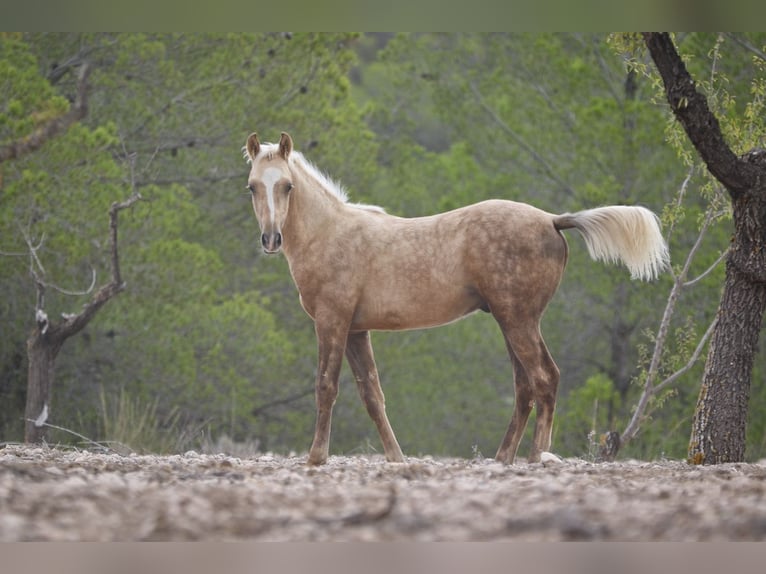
[[719, 424], [48, 336], [653, 384]]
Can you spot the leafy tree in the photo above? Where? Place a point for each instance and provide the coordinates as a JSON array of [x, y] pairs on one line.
[[208, 332], [195, 327], [29, 125], [719, 426]]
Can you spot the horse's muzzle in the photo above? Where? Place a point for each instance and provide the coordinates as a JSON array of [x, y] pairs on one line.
[[271, 242]]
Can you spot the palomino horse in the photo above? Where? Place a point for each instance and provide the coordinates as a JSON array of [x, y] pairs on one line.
[[358, 269]]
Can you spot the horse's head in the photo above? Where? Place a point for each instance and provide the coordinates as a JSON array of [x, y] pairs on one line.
[[270, 183]]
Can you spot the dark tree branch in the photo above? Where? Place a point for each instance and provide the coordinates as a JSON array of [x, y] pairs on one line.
[[53, 127], [45, 342], [58, 71], [720, 417], [73, 324], [691, 109]]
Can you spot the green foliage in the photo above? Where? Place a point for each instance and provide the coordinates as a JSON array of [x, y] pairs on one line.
[[27, 100], [209, 334], [147, 125]]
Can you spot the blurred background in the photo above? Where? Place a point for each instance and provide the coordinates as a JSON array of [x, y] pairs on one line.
[[208, 347]]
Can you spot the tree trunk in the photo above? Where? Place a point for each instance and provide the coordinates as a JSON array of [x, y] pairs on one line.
[[720, 420], [41, 353], [718, 428]]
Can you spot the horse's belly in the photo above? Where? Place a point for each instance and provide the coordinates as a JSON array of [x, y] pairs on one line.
[[416, 312]]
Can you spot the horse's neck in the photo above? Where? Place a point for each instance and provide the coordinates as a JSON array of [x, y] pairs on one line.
[[313, 214]]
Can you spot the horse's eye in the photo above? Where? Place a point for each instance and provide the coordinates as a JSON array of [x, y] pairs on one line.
[[251, 189], [289, 186]]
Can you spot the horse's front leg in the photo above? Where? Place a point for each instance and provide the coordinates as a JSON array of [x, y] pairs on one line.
[[331, 340], [362, 362]]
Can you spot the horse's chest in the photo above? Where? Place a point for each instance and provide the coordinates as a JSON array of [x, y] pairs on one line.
[[320, 292], [308, 307]]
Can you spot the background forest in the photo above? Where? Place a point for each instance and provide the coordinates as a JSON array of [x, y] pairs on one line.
[[208, 343]]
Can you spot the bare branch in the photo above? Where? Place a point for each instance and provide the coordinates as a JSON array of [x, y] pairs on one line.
[[40, 317], [34, 261], [692, 360], [86, 439], [113, 218], [73, 323], [675, 292], [32, 252], [709, 216], [58, 71], [76, 293], [707, 271], [53, 127], [679, 284], [679, 201]]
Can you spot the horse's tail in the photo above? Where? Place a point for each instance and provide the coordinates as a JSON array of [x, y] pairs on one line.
[[621, 233]]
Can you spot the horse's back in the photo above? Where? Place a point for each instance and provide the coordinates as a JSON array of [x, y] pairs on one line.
[[428, 271]]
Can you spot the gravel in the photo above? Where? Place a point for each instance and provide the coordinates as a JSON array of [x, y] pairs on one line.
[[49, 494]]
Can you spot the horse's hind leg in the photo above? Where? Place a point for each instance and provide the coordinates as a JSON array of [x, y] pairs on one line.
[[362, 362], [542, 378], [524, 399]]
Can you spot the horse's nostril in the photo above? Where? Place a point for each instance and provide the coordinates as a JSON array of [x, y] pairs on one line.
[[271, 241]]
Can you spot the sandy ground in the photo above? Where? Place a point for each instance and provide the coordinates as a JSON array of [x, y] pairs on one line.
[[63, 495]]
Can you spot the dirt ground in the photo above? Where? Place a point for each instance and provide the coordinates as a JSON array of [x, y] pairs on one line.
[[51, 494]]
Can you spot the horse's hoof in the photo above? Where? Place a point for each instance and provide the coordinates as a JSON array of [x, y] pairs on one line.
[[504, 459], [316, 460]]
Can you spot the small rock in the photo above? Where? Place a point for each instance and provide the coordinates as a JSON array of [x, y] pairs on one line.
[[549, 457]]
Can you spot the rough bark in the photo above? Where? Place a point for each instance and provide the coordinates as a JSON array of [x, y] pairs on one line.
[[48, 337], [719, 424], [41, 354]]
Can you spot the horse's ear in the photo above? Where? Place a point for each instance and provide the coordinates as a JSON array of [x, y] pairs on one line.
[[253, 145], [285, 145]]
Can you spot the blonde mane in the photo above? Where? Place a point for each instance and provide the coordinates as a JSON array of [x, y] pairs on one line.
[[299, 161]]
